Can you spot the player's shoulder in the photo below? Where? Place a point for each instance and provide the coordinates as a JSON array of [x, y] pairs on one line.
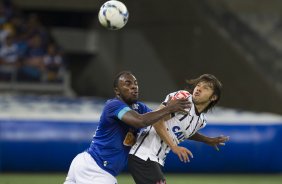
[[141, 107], [204, 116], [142, 104], [114, 106], [114, 102]]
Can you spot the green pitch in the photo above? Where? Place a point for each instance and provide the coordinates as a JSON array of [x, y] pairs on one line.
[[171, 179]]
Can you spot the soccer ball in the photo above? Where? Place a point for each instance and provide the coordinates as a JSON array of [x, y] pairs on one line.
[[181, 94], [113, 15]]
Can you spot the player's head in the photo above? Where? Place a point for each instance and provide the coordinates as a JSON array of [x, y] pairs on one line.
[[206, 90], [126, 87]]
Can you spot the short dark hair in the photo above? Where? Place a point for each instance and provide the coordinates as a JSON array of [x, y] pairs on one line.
[[215, 84], [119, 75]]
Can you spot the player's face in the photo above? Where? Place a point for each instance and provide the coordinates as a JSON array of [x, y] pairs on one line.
[[203, 93], [127, 89]]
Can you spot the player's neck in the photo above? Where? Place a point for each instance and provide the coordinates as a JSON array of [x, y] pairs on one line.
[[121, 99], [199, 108]]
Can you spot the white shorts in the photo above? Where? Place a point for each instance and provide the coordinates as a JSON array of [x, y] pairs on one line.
[[84, 170]]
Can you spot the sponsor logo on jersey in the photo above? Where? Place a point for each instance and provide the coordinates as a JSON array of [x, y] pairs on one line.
[[178, 133]]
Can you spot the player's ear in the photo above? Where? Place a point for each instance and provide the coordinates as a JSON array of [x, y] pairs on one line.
[[213, 98], [116, 91]]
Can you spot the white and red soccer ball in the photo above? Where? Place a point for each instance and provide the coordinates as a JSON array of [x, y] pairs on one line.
[[181, 94]]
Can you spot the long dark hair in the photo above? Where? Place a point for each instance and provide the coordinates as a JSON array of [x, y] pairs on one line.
[[213, 81]]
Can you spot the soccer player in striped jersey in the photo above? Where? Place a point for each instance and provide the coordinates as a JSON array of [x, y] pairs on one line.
[[153, 143], [121, 118]]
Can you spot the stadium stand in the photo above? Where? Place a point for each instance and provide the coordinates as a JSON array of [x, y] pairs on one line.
[[31, 60], [266, 22], [251, 32]]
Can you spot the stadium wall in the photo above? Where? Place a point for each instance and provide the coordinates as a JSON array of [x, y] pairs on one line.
[[44, 134]]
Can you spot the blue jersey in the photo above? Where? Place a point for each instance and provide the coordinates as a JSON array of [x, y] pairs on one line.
[[107, 147]]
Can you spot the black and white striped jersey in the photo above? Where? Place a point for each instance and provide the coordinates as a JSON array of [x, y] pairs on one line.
[[181, 126]]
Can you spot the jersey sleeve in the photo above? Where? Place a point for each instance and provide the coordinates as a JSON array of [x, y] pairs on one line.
[[144, 108], [203, 125], [122, 111], [204, 122], [117, 109]]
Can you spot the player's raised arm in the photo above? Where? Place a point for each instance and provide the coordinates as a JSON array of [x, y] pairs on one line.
[[142, 120], [212, 141]]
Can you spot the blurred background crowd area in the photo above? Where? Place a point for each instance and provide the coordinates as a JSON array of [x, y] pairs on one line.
[[28, 52], [58, 47]]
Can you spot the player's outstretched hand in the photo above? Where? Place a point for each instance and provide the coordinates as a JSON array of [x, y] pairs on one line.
[[182, 153], [178, 105], [218, 141]]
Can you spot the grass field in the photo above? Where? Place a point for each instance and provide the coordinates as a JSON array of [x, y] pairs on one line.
[[11, 178]]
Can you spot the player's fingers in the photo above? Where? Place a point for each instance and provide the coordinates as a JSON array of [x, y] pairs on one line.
[[222, 139], [180, 157], [185, 103], [188, 104], [184, 111], [225, 138], [188, 152], [185, 157]]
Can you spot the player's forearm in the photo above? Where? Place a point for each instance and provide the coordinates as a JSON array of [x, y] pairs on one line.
[[155, 116], [161, 130], [176, 105], [142, 120], [200, 138]]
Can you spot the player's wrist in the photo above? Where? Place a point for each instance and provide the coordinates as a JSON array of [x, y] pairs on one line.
[[168, 109], [173, 147]]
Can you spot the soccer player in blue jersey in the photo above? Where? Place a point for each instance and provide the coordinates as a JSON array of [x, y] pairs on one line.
[[121, 118]]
